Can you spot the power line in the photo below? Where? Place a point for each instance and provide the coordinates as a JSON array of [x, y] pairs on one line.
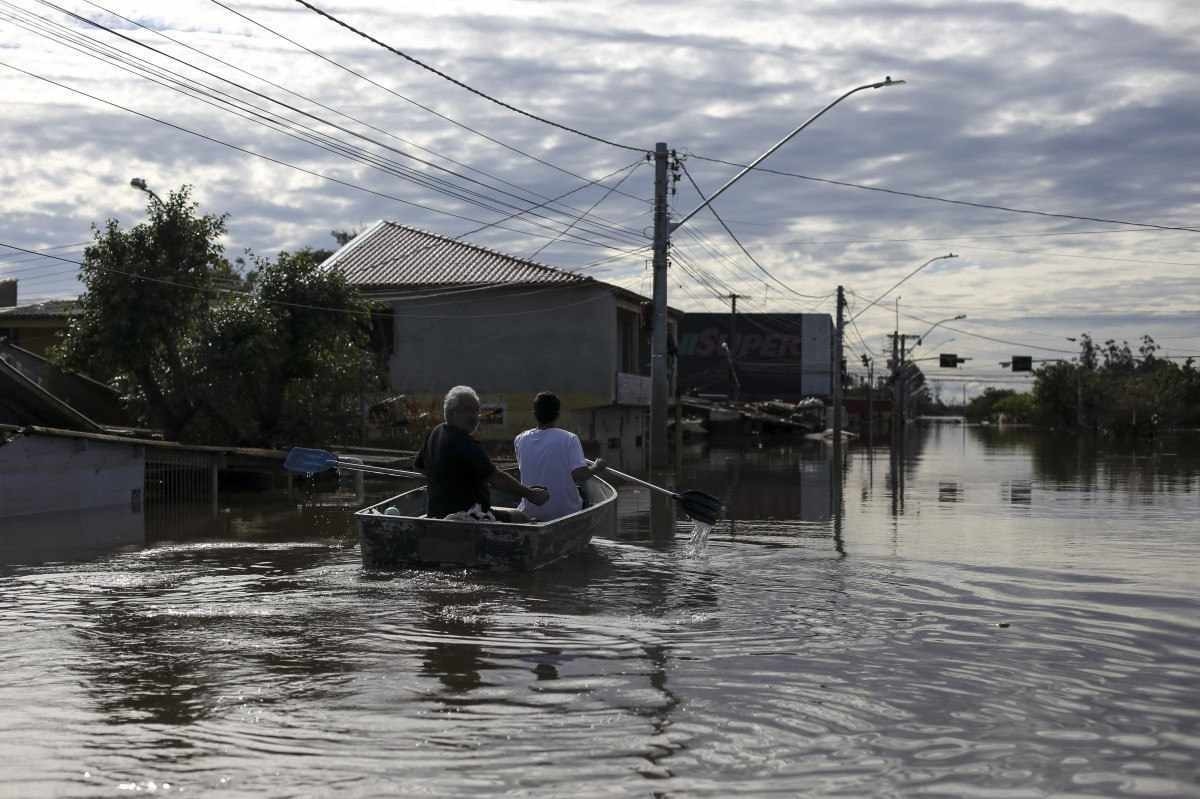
[[737, 241], [339, 113], [969, 333], [387, 261], [354, 153], [631, 169], [409, 100], [899, 283], [462, 85], [935, 198], [1051, 254], [271, 159], [306, 306]]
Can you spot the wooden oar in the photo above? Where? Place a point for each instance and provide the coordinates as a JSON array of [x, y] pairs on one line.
[[696, 504], [312, 461]]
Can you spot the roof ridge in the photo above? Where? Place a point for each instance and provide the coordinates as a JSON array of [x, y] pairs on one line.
[[489, 251]]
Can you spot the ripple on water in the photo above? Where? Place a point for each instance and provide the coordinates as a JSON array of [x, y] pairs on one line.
[[765, 664]]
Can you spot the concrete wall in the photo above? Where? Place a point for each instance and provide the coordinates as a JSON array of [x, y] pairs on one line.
[[816, 360], [62, 475], [508, 344]]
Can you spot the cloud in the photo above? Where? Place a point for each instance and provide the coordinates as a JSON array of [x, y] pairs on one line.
[[1059, 106]]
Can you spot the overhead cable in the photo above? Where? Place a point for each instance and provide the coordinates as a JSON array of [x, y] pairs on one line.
[[411, 101], [465, 86], [330, 309], [425, 180], [332, 110], [264, 157], [935, 198], [631, 169], [900, 282], [973, 335], [737, 241]]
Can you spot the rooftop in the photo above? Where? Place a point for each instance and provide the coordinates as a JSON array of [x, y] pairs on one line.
[[50, 309], [389, 254]]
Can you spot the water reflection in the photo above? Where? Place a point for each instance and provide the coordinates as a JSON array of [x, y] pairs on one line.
[[980, 613], [69, 535]]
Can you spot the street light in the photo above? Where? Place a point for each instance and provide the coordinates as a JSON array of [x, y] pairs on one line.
[[887, 81], [921, 338], [140, 185], [897, 285]]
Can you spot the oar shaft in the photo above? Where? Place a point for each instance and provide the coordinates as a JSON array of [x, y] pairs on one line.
[[362, 467], [633, 479]]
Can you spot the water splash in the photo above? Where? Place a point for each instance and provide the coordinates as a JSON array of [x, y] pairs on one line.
[[698, 543]]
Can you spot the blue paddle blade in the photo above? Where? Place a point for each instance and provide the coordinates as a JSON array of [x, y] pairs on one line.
[[309, 461]]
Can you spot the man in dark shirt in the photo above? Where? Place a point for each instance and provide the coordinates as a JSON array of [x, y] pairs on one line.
[[458, 469]]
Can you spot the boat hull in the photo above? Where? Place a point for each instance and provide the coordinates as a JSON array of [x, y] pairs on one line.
[[409, 540]]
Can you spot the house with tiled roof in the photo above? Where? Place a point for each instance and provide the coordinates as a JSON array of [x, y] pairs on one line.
[[508, 327]]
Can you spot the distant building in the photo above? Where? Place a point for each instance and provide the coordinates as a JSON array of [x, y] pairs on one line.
[[36, 326], [509, 327], [774, 356]]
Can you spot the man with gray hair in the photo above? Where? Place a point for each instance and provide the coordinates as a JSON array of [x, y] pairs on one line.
[[459, 471]]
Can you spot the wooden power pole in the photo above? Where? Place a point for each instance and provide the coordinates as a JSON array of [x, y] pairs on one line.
[[658, 337], [837, 367]]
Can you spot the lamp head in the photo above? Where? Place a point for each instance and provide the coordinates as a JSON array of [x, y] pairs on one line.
[[139, 184]]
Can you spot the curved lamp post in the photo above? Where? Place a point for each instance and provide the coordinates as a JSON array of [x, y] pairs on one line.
[[900, 282], [140, 185], [921, 338]]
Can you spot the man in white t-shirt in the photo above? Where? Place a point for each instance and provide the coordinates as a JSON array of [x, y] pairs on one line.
[[552, 457]]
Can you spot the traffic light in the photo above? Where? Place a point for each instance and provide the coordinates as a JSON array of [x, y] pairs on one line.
[[1022, 363], [948, 360]]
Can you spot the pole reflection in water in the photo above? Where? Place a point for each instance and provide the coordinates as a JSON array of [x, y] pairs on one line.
[[1036, 637]]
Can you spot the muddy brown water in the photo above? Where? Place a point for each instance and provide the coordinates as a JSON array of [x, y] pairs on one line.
[[987, 613]]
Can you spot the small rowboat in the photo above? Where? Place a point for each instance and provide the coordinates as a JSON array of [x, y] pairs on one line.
[[410, 539]]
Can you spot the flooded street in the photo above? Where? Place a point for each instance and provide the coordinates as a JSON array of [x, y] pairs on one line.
[[988, 613]]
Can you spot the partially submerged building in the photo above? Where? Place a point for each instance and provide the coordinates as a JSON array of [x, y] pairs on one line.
[[509, 327], [786, 356]]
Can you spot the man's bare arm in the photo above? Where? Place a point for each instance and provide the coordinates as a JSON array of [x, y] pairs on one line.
[[503, 481], [584, 472]]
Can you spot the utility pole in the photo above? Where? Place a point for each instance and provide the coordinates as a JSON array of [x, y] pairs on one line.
[[734, 385], [870, 364], [895, 380], [837, 367], [658, 339], [662, 239]]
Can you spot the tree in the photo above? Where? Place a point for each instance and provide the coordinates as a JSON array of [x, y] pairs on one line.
[[146, 304], [290, 360], [983, 407], [1017, 407], [277, 358]]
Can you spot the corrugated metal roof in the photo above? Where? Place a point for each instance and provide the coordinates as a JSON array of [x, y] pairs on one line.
[[388, 254], [51, 309]]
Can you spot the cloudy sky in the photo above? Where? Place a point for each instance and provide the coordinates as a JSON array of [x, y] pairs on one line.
[[1078, 108]]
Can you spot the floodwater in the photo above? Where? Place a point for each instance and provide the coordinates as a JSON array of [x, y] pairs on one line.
[[986, 613]]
